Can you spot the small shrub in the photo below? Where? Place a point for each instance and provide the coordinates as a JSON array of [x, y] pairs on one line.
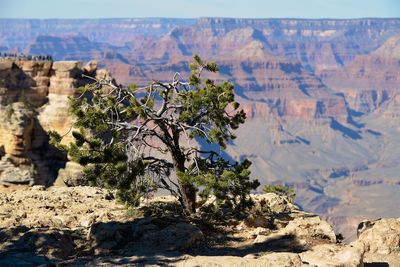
[[281, 190]]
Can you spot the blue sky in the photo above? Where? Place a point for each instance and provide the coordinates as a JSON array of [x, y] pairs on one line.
[[199, 8]]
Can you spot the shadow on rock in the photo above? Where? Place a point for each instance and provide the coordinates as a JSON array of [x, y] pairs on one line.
[[23, 246]]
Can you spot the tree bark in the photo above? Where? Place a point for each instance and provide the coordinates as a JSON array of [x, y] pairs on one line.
[[188, 191]]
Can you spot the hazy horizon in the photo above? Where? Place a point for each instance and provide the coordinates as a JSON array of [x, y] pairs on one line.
[[191, 9], [196, 18]]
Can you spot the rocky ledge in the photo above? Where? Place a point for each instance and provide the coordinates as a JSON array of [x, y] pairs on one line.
[[68, 226]]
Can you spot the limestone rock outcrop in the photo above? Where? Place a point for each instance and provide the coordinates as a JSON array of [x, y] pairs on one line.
[[33, 100], [381, 236], [311, 226], [28, 158], [334, 255]]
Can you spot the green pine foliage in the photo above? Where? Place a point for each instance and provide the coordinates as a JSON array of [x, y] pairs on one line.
[[123, 131], [229, 184], [281, 190]]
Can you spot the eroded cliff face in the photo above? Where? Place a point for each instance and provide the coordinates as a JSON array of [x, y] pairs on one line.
[[369, 81], [34, 100]]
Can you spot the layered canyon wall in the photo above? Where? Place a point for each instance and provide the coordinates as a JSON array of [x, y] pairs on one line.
[[34, 100]]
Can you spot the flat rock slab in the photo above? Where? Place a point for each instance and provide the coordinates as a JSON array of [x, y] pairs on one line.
[[282, 259]]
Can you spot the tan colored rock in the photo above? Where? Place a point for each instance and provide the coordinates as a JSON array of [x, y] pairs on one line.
[[90, 68], [381, 236], [16, 132], [64, 66], [258, 231], [265, 237], [71, 175], [63, 86], [44, 218], [35, 68], [23, 133], [54, 116], [107, 236], [25, 144], [43, 83], [310, 227], [332, 255], [258, 220], [103, 74], [61, 207], [27, 79], [276, 203], [11, 174], [16, 129], [6, 65], [281, 259], [179, 236]]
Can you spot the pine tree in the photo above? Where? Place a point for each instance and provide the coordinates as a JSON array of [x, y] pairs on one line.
[[133, 138]]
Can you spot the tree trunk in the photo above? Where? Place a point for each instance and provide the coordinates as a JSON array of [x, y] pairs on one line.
[[188, 191], [189, 198]]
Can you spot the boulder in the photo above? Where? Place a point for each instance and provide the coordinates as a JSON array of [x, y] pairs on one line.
[[108, 236], [143, 226], [103, 74], [258, 220], [53, 244], [380, 236], [90, 68], [281, 259], [310, 227], [332, 255], [70, 175], [105, 237], [180, 236], [275, 202], [11, 174]]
